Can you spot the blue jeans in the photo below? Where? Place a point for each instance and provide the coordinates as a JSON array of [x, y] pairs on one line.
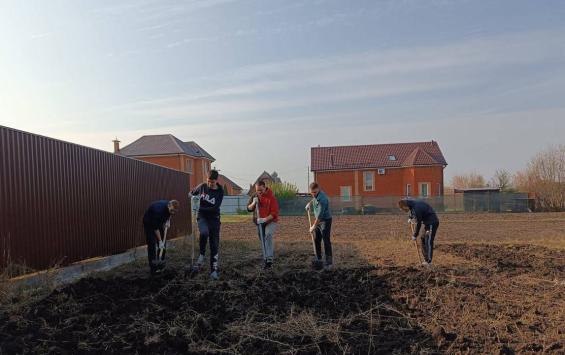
[[323, 233]]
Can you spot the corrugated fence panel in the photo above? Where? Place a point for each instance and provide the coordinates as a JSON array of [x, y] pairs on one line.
[[61, 202]]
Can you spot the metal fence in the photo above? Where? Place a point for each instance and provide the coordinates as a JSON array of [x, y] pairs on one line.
[[61, 202], [359, 205]]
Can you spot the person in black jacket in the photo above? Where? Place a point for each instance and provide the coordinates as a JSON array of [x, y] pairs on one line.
[[211, 196], [155, 220], [422, 213]]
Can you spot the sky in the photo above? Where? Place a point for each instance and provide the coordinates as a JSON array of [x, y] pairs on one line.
[[258, 83]]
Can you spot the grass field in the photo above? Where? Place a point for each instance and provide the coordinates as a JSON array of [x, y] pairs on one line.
[[497, 286]]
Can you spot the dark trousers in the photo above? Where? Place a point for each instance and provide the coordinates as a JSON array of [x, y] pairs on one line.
[[152, 245], [323, 233], [210, 231], [430, 231]]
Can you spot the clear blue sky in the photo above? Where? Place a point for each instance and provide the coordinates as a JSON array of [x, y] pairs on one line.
[[257, 82]]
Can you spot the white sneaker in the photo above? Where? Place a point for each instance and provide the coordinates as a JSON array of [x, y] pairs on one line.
[[425, 263], [201, 260], [214, 275]]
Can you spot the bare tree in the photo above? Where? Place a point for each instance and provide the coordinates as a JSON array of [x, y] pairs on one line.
[[468, 180], [545, 177], [503, 180]]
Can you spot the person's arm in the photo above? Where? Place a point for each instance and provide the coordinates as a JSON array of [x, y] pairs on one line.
[[158, 235], [196, 191], [419, 215], [274, 212], [252, 203]]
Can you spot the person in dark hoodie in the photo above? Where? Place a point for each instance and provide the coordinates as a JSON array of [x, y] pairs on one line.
[[422, 213], [211, 196], [266, 219], [155, 220]]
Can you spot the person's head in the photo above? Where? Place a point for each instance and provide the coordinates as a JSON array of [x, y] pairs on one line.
[[260, 187], [314, 189], [403, 205], [173, 206], [213, 179]]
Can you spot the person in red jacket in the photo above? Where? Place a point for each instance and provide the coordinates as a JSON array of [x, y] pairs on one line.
[[266, 219]]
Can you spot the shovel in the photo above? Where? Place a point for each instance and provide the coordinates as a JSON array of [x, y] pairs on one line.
[[316, 263], [416, 243], [193, 269]]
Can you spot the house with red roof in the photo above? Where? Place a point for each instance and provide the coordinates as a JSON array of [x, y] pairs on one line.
[[169, 151], [401, 169]]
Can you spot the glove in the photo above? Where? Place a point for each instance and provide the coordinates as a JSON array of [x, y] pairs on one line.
[[261, 220], [307, 208], [410, 221], [312, 229], [414, 238], [161, 245]]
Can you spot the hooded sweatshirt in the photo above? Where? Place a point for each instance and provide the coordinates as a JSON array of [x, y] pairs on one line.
[[156, 215], [268, 206], [423, 213], [210, 200]]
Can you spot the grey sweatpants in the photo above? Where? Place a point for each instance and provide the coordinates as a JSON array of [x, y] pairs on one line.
[[268, 243]]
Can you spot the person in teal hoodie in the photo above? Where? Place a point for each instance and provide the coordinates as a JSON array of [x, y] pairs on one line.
[[322, 226]]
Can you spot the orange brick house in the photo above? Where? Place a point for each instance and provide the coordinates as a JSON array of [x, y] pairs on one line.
[[403, 169], [168, 151], [230, 187]]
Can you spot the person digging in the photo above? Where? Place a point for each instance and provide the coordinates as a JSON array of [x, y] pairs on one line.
[[156, 222], [322, 226], [266, 217], [211, 196], [422, 213]]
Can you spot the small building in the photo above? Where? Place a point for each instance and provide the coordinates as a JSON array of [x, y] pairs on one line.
[[267, 178], [378, 170], [169, 151], [480, 199], [230, 187]]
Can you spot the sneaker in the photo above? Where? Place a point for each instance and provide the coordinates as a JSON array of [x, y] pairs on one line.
[[328, 267], [200, 260], [214, 275], [268, 264], [425, 263]]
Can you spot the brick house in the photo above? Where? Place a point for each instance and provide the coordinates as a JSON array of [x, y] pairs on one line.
[[403, 169], [267, 178], [230, 187], [168, 151]]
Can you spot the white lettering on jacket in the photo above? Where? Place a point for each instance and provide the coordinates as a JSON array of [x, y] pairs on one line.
[[207, 198]]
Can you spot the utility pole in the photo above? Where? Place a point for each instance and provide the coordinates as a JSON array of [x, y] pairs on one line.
[[308, 173]]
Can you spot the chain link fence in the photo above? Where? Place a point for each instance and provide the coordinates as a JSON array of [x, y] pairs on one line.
[[361, 205]]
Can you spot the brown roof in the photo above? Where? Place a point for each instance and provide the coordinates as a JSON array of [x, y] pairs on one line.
[[230, 182], [376, 156], [163, 144]]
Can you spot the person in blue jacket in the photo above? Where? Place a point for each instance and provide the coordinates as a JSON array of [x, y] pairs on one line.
[[211, 196], [322, 226], [155, 220], [422, 213]]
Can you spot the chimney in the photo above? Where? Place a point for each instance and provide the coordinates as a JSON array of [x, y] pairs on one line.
[[116, 145]]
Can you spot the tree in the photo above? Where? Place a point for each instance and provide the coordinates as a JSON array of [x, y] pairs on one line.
[[503, 180], [469, 180], [545, 177], [283, 190]]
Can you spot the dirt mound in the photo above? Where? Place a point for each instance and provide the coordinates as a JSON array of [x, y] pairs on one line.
[[347, 310]]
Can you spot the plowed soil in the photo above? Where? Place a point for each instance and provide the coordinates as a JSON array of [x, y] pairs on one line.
[[497, 286]]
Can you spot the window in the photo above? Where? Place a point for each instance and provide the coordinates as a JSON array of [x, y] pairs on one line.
[[345, 192], [381, 171], [369, 180], [408, 190], [424, 189], [392, 157], [188, 166]]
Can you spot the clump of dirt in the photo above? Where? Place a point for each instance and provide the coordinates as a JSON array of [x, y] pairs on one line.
[[347, 310]]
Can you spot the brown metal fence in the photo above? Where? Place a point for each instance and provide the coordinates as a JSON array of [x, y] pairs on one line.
[[61, 202]]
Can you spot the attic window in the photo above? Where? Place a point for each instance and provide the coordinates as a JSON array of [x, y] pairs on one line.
[[392, 157]]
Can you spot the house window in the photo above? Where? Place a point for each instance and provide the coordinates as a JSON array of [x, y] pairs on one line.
[[408, 190], [345, 192], [369, 180], [392, 157], [188, 166], [424, 189]]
